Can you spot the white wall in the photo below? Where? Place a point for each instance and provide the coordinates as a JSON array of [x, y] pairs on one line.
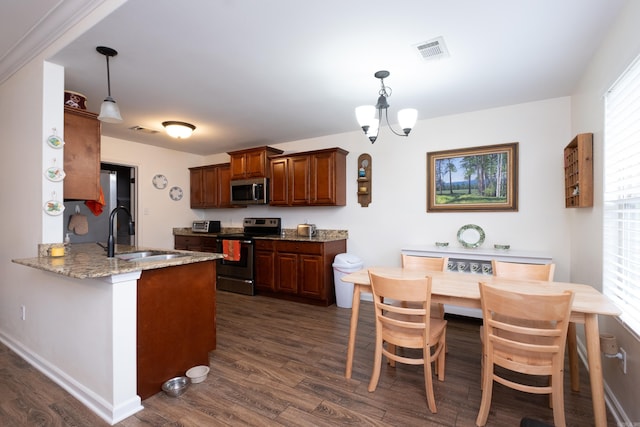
[[397, 215], [620, 47], [157, 213]]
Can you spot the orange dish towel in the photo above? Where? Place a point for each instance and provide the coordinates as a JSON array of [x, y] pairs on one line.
[[96, 206], [231, 250]]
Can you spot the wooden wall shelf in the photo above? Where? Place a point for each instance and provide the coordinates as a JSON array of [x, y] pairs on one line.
[[578, 172], [364, 180]]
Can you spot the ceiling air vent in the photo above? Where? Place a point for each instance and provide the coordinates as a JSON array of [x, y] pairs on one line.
[[144, 130], [433, 49]]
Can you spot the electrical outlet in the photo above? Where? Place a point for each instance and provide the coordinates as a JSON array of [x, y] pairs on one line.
[[623, 360], [23, 312]]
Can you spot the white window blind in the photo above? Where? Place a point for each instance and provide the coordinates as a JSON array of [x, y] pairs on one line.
[[621, 239]]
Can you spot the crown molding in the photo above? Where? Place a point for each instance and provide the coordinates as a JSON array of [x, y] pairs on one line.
[[59, 19]]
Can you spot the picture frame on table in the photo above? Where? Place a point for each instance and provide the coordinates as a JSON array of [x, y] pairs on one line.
[[475, 179]]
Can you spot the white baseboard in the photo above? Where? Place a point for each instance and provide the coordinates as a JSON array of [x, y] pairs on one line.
[[610, 399], [87, 397]]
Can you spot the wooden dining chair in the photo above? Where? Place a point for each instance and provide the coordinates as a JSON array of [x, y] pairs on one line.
[[526, 334], [407, 327], [514, 270], [521, 271], [413, 262]]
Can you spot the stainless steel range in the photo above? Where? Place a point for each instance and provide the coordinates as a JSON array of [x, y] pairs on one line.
[[235, 272]]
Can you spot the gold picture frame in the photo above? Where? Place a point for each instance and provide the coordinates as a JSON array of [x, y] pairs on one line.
[[477, 179]]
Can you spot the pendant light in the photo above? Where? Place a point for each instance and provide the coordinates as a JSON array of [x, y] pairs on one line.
[[109, 111], [365, 114]]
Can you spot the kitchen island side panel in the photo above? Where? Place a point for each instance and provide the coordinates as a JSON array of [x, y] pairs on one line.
[[176, 322]]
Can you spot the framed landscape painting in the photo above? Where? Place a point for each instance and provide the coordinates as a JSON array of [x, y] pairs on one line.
[[473, 179]]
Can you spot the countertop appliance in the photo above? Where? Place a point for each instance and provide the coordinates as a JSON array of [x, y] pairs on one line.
[[307, 230], [205, 226], [254, 191], [239, 275]]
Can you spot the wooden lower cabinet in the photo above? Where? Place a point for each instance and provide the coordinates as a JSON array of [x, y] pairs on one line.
[[176, 324], [188, 243], [264, 258], [195, 243], [297, 270]]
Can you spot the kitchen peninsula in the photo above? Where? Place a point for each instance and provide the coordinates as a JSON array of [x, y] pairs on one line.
[[119, 327]]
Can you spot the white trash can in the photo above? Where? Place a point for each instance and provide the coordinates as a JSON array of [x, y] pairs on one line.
[[344, 264]]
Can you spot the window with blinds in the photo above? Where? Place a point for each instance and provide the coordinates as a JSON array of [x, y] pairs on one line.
[[621, 239]]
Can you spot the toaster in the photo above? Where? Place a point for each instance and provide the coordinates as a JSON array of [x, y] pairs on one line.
[[307, 230], [205, 226]]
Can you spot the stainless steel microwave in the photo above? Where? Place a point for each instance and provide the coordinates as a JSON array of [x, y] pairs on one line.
[[254, 191]]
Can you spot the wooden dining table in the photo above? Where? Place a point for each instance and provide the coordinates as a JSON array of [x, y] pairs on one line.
[[461, 289]]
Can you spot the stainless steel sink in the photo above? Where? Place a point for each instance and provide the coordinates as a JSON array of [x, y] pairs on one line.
[[148, 256]]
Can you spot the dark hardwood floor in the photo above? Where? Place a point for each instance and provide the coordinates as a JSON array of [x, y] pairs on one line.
[[282, 363]]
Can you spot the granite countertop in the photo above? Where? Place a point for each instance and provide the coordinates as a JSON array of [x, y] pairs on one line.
[[89, 261], [289, 234]]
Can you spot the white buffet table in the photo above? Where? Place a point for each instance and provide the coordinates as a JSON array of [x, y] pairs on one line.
[[474, 261]]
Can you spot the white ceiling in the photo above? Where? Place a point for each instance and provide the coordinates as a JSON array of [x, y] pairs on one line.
[[259, 72]]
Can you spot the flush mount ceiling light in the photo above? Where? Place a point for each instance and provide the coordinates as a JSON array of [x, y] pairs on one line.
[[109, 111], [178, 130], [365, 114]]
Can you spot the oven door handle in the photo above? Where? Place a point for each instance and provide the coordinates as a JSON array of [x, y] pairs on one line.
[[246, 242]]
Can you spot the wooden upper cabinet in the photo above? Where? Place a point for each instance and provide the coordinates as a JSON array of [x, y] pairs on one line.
[[279, 183], [196, 187], [300, 177], [251, 163], [210, 186], [224, 185], [328, 186], [81, 154], [314, 178]]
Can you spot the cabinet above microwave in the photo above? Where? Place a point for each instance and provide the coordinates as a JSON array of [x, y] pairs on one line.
[[252, 163]]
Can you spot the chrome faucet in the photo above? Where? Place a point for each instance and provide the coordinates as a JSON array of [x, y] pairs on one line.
[[110, 242]]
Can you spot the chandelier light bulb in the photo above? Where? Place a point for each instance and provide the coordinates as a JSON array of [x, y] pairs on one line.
[[407, 119]]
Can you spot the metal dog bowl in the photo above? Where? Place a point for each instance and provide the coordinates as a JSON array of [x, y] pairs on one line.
[[175, 386]]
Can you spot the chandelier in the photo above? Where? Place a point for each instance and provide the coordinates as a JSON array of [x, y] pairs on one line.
[[365, 114]]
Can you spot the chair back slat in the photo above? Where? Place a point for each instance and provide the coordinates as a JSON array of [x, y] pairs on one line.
[[514, 270], [424, 263]]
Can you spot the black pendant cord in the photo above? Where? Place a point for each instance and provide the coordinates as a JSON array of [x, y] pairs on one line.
[[108, 78]]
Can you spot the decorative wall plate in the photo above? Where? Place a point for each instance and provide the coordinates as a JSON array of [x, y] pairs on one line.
[[470, 236], [175, 193], [55, 141], [160, 181], [53, 207], [54, 174]]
